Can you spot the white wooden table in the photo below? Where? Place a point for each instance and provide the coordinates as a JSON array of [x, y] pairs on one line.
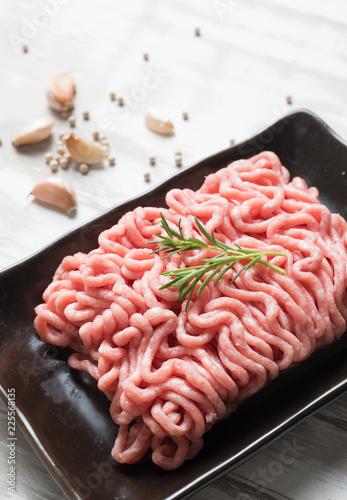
[[233, 81]]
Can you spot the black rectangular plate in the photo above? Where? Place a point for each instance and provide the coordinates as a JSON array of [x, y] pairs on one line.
[[66, 418]]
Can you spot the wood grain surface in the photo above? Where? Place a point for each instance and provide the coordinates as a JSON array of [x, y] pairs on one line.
[[232, 80]]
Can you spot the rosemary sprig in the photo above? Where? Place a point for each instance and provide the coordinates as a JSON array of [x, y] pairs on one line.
[[187, 279]]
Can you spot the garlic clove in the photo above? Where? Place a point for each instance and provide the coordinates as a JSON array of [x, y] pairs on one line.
[[35, 132], [156, 121], [84, 151], [57, 192], [60, 92]]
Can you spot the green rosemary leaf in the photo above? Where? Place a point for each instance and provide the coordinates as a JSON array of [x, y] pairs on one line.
[[203, 230], [170, 252], [189, 297], [183, 281], [169, 284], [183, 270], [253, 262], [170, 232], [180, 229], [272, 266], [177, 235], [156, 242], [223, 259], [219, 243], [163, 249], [165, 225], [199, 243], [215, 242], [246, 251], [207, 280], [190, 288], [187, 279], [225, 270], [246, 267], [156, 251], [238, 274]]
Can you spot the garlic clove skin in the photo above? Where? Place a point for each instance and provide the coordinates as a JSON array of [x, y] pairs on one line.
[[157, 122], [57, 192], [37, 131], [60, 92], [84, 151]]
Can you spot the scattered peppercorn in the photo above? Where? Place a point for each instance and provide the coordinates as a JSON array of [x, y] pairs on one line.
[[178, 161], [83, 168], [72, 121], [53, 165], [63, 162], [48, 157]]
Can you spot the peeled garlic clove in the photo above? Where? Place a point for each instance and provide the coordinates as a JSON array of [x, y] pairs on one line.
[[84, 151], [35, 132], [60, 92], [57, 192], [156, 121]]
